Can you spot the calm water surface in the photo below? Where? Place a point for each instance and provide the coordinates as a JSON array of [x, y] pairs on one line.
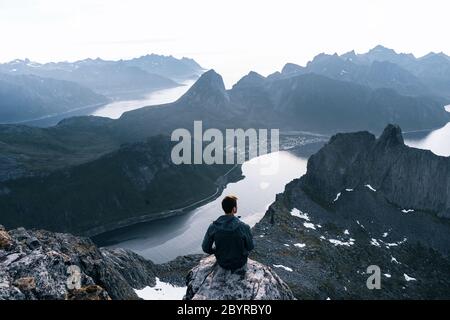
[[115, 109], [438, 141], [164, 240]]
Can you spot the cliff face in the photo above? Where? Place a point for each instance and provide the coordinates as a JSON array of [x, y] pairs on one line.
[[208, 281], [364, 201], [407, 177]]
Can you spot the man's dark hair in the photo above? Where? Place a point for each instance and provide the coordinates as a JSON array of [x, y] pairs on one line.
[[228, 203]]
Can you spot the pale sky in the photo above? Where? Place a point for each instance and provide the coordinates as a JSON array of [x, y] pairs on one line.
[[231, 36]]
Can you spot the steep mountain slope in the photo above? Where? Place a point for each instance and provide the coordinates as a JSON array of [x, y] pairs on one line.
[[27, 97], [363, 201], [138, 182], [320, 104], [31, 151]]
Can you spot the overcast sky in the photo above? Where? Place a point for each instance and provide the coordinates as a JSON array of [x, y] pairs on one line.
[[232, 36]]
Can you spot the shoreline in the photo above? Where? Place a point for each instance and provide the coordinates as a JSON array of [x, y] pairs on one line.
[[47, 117], [222, 182]]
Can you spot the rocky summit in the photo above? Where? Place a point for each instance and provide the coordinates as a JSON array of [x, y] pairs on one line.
[[364, 202], [37, 265], [41, 265], [209, 281]]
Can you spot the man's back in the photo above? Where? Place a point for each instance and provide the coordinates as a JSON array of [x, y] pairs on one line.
[[233, 242]]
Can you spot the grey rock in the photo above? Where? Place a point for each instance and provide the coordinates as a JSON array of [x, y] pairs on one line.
[[328, 226], [407, 177], [208, 281], [37, 263]]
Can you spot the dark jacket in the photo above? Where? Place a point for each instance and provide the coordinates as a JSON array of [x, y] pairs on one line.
[[233, 242]]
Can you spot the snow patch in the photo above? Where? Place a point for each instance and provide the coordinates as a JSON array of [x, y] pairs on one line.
[[408, 278], [394, 260], [375, 242], [309, 225], [385, 234], [387, 275], [395, 244], [299, 214], [299, 245], [407, 210], [346, 231], [282, 267], [349, 190], [337, 197], [370, 188], [161, 291], [342, 243]]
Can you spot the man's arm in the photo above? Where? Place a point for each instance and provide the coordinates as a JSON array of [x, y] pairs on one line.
[[248, 238], [208, 241]]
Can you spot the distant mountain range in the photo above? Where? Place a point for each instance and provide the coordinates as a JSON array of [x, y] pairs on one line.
[[91, 78], [381, 67], [114, 78]]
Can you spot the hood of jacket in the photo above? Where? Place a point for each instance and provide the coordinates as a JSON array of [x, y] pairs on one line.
[[227, 223]]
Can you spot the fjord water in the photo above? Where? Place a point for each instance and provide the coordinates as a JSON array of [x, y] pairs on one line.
[[115, 109], [164, 240], [438, 141]]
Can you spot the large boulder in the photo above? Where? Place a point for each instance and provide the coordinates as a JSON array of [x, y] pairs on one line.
[[209, 281]]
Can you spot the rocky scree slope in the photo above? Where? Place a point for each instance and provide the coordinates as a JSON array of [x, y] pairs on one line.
[[363, 201]]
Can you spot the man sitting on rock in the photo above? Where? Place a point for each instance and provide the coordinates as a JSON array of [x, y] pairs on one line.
[[232, 238]]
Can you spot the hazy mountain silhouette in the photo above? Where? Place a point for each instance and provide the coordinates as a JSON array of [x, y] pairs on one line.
[[114, 78], [25, 97]]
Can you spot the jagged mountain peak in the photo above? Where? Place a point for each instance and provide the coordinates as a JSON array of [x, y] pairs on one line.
[[210, 79], [209, 86], [290, 68], [251, 79], [391, 136], [381, 48]]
